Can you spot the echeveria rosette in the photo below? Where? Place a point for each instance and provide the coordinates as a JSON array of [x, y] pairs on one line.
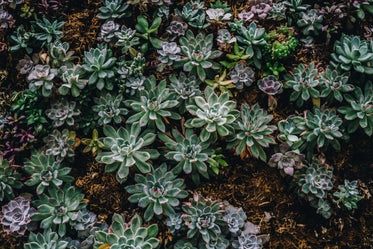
[[9, 180], [216, 113], [109, 108], [185, 87], [62, 112], [190, 152], [197, 51], [133, 235], [59, 208], [334, 85], [72, 77], [47, 240], [41, 77], [235, 218], [286, 160], [253, 132], [59, 54], [360, 111], [154, 105], [248, 240], [348, 194], [159, 192], [114, 9], [46, 172], [125, 147], [60, 144], [311, 21]]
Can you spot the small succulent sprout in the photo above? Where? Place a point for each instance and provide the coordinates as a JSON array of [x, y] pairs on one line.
[[287, 160], [169, 53], [360, 111], [204, 218], [198, 53], [186, 87], [59, 144], [245, 15], [59, 54], [131, 235], [348, 195], [88, 238], [311, 22], [26, 64], [249, 241], [184, 244], [270, 85], [174, 222], [62, 112], [126, 150], [215, 113], [59, 208], [135, 85], [278, 11], [94, 144], [190, 152], [289, 133], [146, 31], [6, 20], [220, 243], [47, 31], [253, 132], [41, 77], [108, 31], [16, 216], [323, 208], [177, 28], [154, 105], [235, 217], [334, 85], [99, 65], [352, 53], [131, 74], [126, 39], [261, 10], [72, 78], [9, 180], [224, 36], [304, 83], [109, 109], [47, 240], [114, 9], [85, 220], [316, 181], [218, 14], [242, 75], [46, 172], [158, 191]]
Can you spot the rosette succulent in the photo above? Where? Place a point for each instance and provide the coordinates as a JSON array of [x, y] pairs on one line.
[[59, 54], [261, 10], [185, 88], [109, 109], [6, 20], [99, 65], [348, 195], [174, 222], [114, 9], [62, 112], [253, 132], [270, 85], [235, 219], [169, 53], [9, 180], [41, 77], [26, 64], [47, 31], [158, 191], [59, 208], [85, 220], [46, 172], [248, 241], [224, 36], [59, 144], [131, 235], [216, 113], [197, 51], [190, 152], [242, 75], [72, 78], [93, 144], [311, 21], [126, 38], [126, 150], [334, 85], [16, 216], [217, 14], [108, 31], [184, 244], [154, 105], [289, 132], [177, 28], [287, 160], [47, 240]]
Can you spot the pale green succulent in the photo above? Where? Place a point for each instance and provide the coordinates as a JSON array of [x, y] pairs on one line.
[[47, 240], [72, 78]]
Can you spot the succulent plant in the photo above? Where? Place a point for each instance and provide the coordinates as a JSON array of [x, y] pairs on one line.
[[41, 77], [333, 16], [311, 21], [270, 85], [286, 160], [348, 195], [289, 133], [62, 112], [114, 9], [88, 238], [9, 180], [126, 150], [185, 88], [242, 75], [158, 191], [323, 208], [146, 32], [278, 11], [253, 132], [27, 12], [6, 20], [72, 78], [204, 218], [224, 36], [351, 52], [131, 235], [22, 39], [108, 31], [174, 222], [221, 83], [220, 243], [216, 113], [46, 172], [169, 53], [177, 28], [131, 74], [261, 10], [296, 5], [235, 217], [47, 31], [304, 83], [13, 3], [236, 57], [94, 145], [109, 109], [154, 105], [59, 208], [126, 38], [218, 14], [184, 244], [26, 64], [190, 152], [198, 53], [53, 8], [194, 14], [47, 240], [15, 216], [59, 54], [248, 241], [59, 144], [360, 111], [85, 220], [334, 85], [99, 65]]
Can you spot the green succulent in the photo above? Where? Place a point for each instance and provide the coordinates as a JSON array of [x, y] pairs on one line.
[[216, 113], [46, 172], [114, 9], [184, 244], [360, 111], [126, 150], [62, 112], [238, 55], [59, 208], [146, 31], [311, 21], [185, 87], [47, 31], [253, 133], [190, 152], [72, 78], [224, 84], [159, 192], [59, 144], [334, 85], [94, 144], [194, 14], [154, 105], [248, 241], [348, 195], [99, 65], [288, 131], [22, 40], [323, 208], [126, 39], [9, 180], [198, 52], [47, 240], [131, 235], [109, 109], [41, 78], [296, 5], [351, 52], [59, 54]]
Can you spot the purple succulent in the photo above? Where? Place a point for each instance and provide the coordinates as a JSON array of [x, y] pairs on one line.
[[6, 20], [53, 7], [63, 112], [245, 15], [26, 64], [241, 75], [169, 53], [270, 85], [287, 160], [177, 28], [261, 10], [108, 30]]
